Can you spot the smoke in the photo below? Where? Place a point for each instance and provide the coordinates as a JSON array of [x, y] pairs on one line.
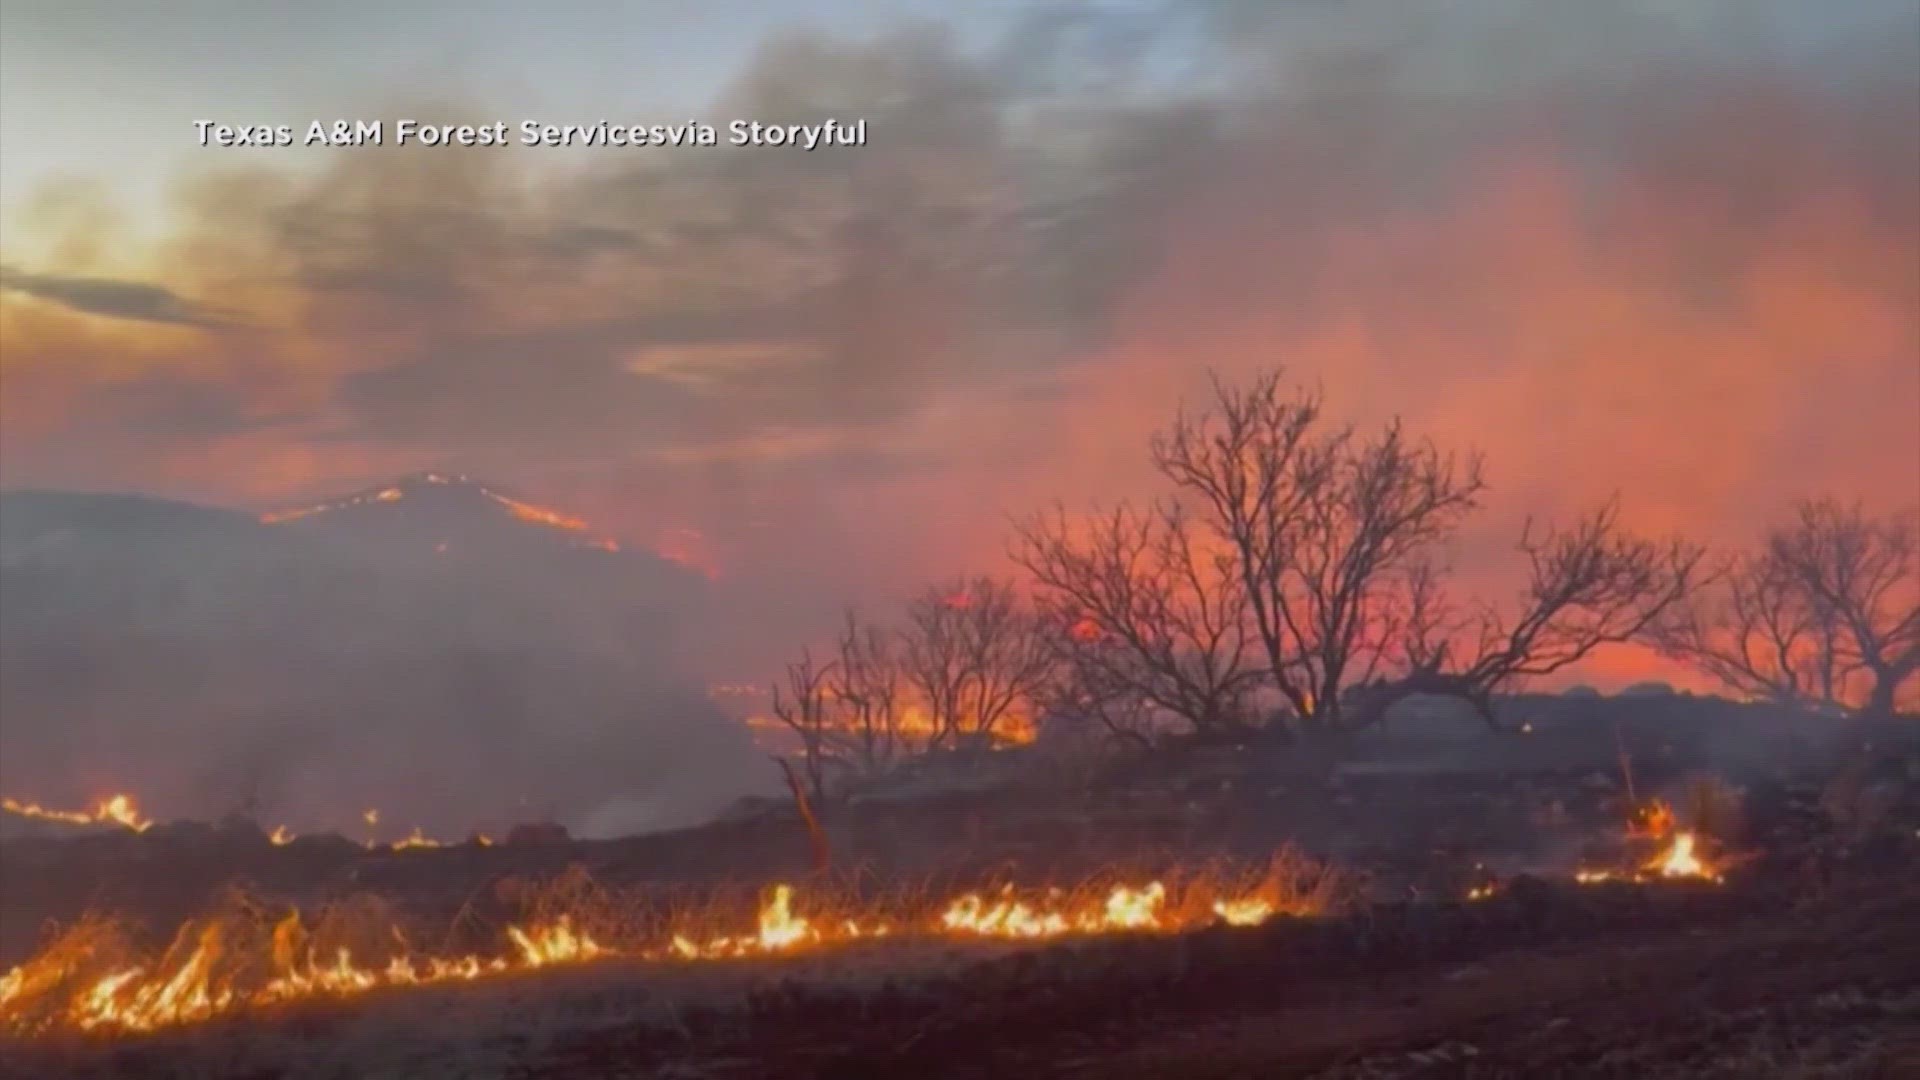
[[215, 665], [1662, 249]]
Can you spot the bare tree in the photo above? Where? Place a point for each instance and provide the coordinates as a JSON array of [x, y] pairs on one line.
[[1078, 693], [867, 685], [974, 656], [1142, 622], [817, 845], [1758, 634], [934, 651], [1828, 610], [1588, 585], [1860, 572], [804, 705], [1323, 525]]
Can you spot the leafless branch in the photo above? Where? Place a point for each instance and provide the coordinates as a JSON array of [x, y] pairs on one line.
[[1322, 525], [975, 657], [1827, 611], [803, 704], [1146, 622]]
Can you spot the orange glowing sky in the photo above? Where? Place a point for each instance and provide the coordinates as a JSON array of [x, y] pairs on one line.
[[1671, 255]]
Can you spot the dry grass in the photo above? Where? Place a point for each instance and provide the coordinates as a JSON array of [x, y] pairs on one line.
[[251, 952]]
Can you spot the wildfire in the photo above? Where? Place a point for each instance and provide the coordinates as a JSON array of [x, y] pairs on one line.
[[1250, 911], [1678, 858], [1655, 820], [1679, 861], [117, 810], [524, 511], [539, 515], [212, 969], [912, 726], [780, 930], [416, 839], [85, 981]]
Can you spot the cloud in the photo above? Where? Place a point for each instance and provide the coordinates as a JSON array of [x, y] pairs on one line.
[[139, 301], [1676, 233]]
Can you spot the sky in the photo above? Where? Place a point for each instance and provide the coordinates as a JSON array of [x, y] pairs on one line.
[[1669, 250]]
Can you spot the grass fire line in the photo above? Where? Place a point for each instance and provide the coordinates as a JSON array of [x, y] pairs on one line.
[[122, 810], [92, 979]]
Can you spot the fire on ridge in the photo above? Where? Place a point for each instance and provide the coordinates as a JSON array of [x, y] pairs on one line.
[[411, 488], [113, 810], [122, 810]]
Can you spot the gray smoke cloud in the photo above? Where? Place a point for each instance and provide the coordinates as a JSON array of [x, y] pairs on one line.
[[1538, 228]]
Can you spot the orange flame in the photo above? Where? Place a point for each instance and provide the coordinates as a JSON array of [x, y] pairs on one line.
[[82, 982], [1654, 820], [1679, 857], [1680, 861], [116, 809]]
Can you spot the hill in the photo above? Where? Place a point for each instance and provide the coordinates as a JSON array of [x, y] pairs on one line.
[[446, 653]]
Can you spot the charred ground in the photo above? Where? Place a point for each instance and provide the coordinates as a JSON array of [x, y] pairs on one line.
[[1800, 964]]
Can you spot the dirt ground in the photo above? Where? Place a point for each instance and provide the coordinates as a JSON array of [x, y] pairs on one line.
[[1546, 986]]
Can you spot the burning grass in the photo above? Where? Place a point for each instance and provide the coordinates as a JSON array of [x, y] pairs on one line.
[[1678, 859], [114, 810], [95, 977], [1682, 851]]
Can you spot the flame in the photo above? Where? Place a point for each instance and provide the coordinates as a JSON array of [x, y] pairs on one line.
[[416, 839], [1680, 861], [1121, 909], [207, 973], [524, 511], [1655, 820], [116, 809], [82, 980], [780, 930], [123, 811], [1246, 911], [539, 515], [556, 944], [913, 725], [1679, 858], [281, 517]]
